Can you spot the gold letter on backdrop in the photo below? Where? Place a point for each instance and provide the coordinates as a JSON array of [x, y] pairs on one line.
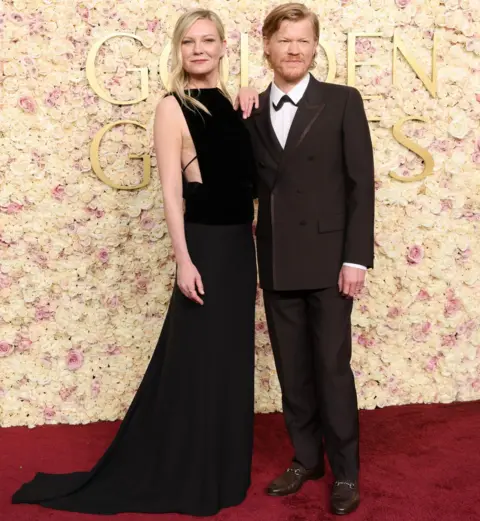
[[414, 147], [92, 79], [430, 84], [95, 158], [331, 62]]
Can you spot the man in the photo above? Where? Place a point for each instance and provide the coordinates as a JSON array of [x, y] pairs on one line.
[[315, 242]]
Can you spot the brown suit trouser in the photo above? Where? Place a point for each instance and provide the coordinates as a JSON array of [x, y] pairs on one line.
[[310, 332]]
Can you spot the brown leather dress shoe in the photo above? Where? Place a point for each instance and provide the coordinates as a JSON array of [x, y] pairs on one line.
[[292, 479], [345, 497]]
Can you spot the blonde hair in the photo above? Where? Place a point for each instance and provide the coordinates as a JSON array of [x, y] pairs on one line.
[[293, 12], [179, 77]]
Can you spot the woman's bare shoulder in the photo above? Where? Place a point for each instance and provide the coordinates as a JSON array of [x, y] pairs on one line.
[[168, 106]]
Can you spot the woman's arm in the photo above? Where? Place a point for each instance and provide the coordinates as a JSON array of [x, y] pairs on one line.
[[167, 135]]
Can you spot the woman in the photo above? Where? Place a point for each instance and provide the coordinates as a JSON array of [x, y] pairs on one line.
[[185, 444]]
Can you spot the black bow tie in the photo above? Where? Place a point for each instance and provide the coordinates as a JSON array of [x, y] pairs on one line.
[[283, 99]]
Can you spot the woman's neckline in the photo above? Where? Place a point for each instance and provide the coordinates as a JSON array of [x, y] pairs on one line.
[[201, 88]]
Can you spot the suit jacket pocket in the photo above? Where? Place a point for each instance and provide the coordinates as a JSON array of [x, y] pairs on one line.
[[331, 222]]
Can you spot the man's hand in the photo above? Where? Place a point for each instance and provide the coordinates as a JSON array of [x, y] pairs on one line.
[[351, 281], [246, 99]]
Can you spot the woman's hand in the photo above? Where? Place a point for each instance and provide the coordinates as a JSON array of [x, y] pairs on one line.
[[246, 99], [190, 282]]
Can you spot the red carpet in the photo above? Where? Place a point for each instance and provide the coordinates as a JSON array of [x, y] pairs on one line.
[[419, 463]]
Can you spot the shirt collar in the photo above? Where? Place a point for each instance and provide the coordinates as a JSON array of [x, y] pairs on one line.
[[296, 94]]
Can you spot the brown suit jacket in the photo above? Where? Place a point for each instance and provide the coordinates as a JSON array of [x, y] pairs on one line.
[[316, 196]]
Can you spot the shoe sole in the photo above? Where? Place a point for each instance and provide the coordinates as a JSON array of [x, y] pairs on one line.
[[288, 493]]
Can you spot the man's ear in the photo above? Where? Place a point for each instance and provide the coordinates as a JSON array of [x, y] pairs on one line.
[[266, 46]]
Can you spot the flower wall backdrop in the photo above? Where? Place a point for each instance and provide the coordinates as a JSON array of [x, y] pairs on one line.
[[86, 270]]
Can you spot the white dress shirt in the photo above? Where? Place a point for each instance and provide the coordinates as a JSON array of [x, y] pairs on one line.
[[282, 119]]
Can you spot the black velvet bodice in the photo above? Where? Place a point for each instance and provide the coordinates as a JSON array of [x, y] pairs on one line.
[[226, 162]]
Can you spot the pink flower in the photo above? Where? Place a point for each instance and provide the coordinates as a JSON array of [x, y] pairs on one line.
[[27, 104], [11, 208], [43, 313], [450, 293], [415, 254], [432, 363], [112, 302], [74, 359], [423, 295], [66, 392], [449, 340], [96, 212], [16, 17], [452, 307], [113, 349], [95, 388], [477, 97], [467, 328], [6, 349], [5, 281], [23, 344], [147, 223], [446, 204], [364, 45], [59, 192], [421, 331], [89, 100], [463, 255], [476, 153], [49, 413], [365, 341], [393, 312], [46, 360], [142, 285], [152, 25], [41, 259], [103, 255], [83, 12], [402, 3], [52, 98], [260, 326]]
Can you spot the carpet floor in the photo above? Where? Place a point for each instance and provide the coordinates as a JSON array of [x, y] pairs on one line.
[[419, 463]]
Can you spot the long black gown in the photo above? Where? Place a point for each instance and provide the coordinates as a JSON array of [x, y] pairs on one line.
[[185, 444]]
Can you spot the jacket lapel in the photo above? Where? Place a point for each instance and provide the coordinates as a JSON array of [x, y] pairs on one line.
[[309, 108], [265, 128]]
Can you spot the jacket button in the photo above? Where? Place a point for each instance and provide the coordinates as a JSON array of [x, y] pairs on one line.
[[299, 191], [303, 223], [311, 158]]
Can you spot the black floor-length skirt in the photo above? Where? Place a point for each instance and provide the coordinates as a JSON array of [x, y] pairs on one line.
[[185, 444]]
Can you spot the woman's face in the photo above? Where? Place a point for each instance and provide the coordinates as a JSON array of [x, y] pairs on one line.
[[202, 49]]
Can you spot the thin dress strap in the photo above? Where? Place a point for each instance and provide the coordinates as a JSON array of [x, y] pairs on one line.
[[188, 164]]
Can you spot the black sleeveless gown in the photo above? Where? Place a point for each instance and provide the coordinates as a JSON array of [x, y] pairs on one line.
[[185, 444]]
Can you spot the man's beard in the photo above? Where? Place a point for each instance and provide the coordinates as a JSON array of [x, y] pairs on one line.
[[293, 74]]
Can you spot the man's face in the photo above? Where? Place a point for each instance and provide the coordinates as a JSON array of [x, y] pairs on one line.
[[291, 50]]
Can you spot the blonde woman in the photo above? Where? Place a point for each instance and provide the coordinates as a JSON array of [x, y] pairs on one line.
[[185, 444]]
